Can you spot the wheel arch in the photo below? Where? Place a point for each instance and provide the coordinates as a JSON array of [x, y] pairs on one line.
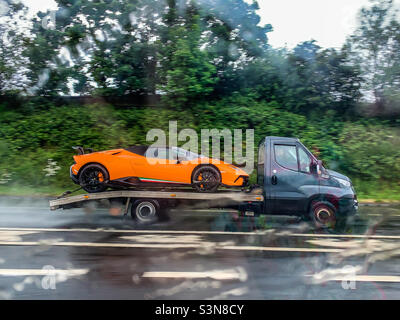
[[322, 198], [89, 163], [205, 165]]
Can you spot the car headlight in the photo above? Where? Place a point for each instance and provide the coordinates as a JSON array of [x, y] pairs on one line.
[[343, 183]]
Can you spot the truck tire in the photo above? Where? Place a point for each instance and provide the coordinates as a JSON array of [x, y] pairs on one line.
[[323, 215], [145, 211]]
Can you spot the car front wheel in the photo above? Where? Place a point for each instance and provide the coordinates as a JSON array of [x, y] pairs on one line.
[[206, 179]]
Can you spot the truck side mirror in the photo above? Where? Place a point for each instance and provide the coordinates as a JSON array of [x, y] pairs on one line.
[[315, 167], [319, 167]]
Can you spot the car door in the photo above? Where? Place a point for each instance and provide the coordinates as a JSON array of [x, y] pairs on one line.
[[163, 166], [291, 178]]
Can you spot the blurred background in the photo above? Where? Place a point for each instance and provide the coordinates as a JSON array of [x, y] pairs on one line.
[[101, 74]]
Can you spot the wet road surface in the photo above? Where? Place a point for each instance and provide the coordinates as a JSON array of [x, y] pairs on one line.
[[209, 254]]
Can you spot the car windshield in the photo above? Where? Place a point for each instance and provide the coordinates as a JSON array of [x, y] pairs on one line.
[[199, 186], [180, 153]]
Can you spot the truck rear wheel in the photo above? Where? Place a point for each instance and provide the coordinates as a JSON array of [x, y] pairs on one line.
[[145, 211], [323, 215]]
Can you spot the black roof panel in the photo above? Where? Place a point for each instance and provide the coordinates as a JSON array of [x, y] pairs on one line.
[[140, 150]]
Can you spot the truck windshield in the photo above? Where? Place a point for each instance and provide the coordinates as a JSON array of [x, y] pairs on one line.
[[313, 157]]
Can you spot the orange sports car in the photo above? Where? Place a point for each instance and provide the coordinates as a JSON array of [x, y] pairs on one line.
[[143, 166]]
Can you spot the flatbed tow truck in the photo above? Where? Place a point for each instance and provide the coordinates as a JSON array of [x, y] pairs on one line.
[[290, 181], [148, 204]]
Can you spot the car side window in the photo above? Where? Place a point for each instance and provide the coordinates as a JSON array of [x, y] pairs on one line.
[[304, 161], [163, 153], [178, 153], [151, 153], [286, 156]]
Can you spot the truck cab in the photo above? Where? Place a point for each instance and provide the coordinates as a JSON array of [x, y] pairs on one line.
[[294, 182]]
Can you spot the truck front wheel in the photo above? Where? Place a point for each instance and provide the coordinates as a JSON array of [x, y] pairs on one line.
[[323, 215]]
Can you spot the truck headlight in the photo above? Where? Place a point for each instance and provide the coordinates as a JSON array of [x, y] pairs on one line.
[[343, 183]]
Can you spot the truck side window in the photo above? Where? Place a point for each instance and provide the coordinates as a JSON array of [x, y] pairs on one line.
[[286, 156], [304, 161]]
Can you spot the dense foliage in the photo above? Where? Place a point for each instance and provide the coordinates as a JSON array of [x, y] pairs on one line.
[[211, 63]]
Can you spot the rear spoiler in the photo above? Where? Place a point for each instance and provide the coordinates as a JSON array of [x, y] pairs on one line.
[[239, 165], [81, 150]]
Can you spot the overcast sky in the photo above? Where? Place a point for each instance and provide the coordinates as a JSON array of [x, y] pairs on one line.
[[294, 21]]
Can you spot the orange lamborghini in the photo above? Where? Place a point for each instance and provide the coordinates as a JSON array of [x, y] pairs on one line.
[[143, 166]]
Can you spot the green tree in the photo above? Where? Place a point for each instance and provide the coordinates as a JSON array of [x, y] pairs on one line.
[[375, 46], [233, 37], [13, 33], [123, 47], [186, 73], [307, 79], [103, 47]]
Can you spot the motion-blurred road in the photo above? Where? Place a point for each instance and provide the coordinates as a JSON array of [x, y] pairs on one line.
[[97, 254]]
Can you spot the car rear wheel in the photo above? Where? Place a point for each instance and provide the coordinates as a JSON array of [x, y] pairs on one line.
[[206, 179], [93, 177]]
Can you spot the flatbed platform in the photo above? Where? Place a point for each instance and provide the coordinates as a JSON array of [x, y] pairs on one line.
[[235, 196]]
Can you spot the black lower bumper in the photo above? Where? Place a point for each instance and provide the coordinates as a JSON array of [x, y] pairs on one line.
[[348, 206], [245, 180]]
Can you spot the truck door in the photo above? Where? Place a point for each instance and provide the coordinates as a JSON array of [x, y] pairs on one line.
[[261, 164], [291, 179]]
